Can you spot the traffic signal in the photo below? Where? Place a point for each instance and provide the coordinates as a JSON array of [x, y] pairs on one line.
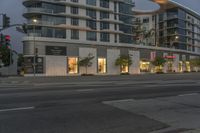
[[2, 39], [7, 41], [6, 21]]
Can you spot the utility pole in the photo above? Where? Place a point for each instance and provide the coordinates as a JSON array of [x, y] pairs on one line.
[[34, 47]]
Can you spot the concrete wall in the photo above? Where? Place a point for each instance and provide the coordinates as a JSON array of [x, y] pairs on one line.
[[12, 69], [176, 63], [112, 55], [56, 65], [165, 67], [135, 67], [84, 52]]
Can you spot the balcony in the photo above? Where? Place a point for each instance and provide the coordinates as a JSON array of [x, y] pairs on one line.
[[172, 17], [39, 10], [46, 23], [27, 2]]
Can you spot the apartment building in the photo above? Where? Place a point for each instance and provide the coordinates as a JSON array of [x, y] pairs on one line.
[[175, 27], [65, 31], [62, 32]]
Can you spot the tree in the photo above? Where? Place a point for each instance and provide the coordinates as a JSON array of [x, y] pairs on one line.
[[123, 61], [195, 63], [5, 55], [143, 34], [159, 62], [147, 34], [20, 60], [86, 62]]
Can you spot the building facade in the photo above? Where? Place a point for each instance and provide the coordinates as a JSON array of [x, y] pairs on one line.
[[62, 32], [175, 27]]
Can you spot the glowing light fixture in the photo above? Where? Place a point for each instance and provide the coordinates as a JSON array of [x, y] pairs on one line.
[[161, 1], [35, 20]]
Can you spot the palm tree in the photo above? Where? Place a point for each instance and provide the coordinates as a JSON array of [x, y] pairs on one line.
[[86, 62], [123, 61], [195, 63], [159, 62], [147, 34]]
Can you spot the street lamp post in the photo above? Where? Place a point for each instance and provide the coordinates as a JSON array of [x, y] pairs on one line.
[[171, 45], [34, 52]]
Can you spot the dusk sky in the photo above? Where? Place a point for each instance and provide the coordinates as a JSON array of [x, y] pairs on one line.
[[14, 9]]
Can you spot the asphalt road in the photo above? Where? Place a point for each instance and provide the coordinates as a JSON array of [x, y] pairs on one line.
[[77, 104]]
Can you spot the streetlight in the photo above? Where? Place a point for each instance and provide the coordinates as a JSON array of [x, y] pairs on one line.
[[172, 40], [34, 58]]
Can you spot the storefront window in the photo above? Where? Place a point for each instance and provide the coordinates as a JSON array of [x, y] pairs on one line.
[[124, 69], [170, 66], [101, 65], [72, 65], [144, 66], [180, 66], [187, 64]]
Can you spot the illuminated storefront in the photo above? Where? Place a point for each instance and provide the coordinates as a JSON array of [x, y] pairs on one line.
[[187, 66], [144, 66], [170, 65], [72, 65], [180, 66], [102, 65], [124, 69]]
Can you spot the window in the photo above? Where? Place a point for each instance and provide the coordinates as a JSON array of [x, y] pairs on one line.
[[115, 6], [91, 24], [91, 13], [115, 17], [105, 37], [115, 38], [74, 34], [104, 25], [144, 66], [102, 65], [74, 10], [72, 65], [146, 20], [115, 26], [74, 21], [104, 3], [91, 2], [75, 1], [124, 69], [104, 15], [91, 36]]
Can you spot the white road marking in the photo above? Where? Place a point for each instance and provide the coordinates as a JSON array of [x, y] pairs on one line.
[[17, 109], [191, 94], [84, 90]]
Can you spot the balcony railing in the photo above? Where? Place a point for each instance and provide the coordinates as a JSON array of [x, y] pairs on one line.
[[39, 10], [172, 16]]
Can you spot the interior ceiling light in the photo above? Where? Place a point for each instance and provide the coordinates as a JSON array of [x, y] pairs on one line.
[[161, 1]]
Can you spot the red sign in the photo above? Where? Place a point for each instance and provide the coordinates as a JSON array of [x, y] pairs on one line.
[[170, 57], [7, 37]]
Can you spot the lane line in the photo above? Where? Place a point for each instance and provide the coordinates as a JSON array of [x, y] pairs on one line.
[[84, 90], [191, 94], [17, 109]]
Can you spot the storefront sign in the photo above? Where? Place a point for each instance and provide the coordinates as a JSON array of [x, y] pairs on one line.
[[56, 50], [170, 57], [39, 65], [29, 63]]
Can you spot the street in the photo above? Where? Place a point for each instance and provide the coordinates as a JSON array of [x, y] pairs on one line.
[[168, 103]]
